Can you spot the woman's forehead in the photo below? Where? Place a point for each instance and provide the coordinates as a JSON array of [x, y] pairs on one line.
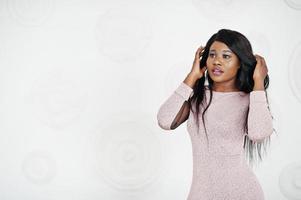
[[216, 45]]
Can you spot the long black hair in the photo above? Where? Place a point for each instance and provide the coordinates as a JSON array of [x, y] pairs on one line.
[[241, 46]]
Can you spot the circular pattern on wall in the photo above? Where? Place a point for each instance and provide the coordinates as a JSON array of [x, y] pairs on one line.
[[295, 4], [59, 97], [123, 32], [294, 72], [30, 12], [128, 153], [290, 181], [260, 43], [217, 9], [39, 167]]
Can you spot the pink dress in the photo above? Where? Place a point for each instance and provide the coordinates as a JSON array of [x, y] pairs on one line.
[[220, 170]]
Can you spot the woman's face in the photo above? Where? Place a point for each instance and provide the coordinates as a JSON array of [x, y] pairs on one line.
[[220, 57]]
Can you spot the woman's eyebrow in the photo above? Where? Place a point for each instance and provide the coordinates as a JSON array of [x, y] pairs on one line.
[[223, 50]]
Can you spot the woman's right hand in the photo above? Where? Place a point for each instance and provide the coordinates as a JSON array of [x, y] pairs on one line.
[[196, 71]]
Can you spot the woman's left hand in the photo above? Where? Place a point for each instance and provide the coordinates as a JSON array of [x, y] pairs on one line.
[[261, 69]]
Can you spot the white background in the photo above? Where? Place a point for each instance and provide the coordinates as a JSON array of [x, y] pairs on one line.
[[81, 83]]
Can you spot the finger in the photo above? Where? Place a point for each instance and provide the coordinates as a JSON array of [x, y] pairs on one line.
[[265, 65], [201, 48], [261, 62], [257, 56], [199, 52]]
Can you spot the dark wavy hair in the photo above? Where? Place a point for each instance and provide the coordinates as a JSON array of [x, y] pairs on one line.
[[241, 46]]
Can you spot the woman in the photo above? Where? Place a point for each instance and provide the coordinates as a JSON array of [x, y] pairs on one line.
[[235, 117]]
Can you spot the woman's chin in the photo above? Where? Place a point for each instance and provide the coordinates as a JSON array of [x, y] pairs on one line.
[[216, 78]]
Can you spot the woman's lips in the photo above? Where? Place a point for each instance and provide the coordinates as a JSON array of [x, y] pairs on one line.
[[217, 72]]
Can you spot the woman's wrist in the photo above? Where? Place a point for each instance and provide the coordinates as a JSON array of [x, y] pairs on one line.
[[258, 85], [190, 80]]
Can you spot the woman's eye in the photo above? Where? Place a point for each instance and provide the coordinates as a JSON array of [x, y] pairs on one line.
[[225, 56]]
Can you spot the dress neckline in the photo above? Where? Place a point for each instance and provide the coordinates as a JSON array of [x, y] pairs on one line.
[[232, 92]]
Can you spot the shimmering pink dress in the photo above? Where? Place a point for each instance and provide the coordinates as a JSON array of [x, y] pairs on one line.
[[220, 170]]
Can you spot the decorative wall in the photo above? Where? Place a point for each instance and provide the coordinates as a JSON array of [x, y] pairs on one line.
[[81, 83]]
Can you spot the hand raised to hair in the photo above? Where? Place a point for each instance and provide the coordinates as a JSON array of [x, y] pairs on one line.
[[261, 69], [196, 70]]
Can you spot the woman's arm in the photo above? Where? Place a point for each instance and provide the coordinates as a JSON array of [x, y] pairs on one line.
[[182, 116], [260, 124], [175, 110]]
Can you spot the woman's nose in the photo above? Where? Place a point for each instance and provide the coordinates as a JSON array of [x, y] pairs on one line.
[[216, 60]]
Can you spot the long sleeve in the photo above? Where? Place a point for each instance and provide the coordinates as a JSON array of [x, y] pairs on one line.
[[170, 108], [260, 124]]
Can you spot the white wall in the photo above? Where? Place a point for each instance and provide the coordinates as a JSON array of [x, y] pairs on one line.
[[81, 83]]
